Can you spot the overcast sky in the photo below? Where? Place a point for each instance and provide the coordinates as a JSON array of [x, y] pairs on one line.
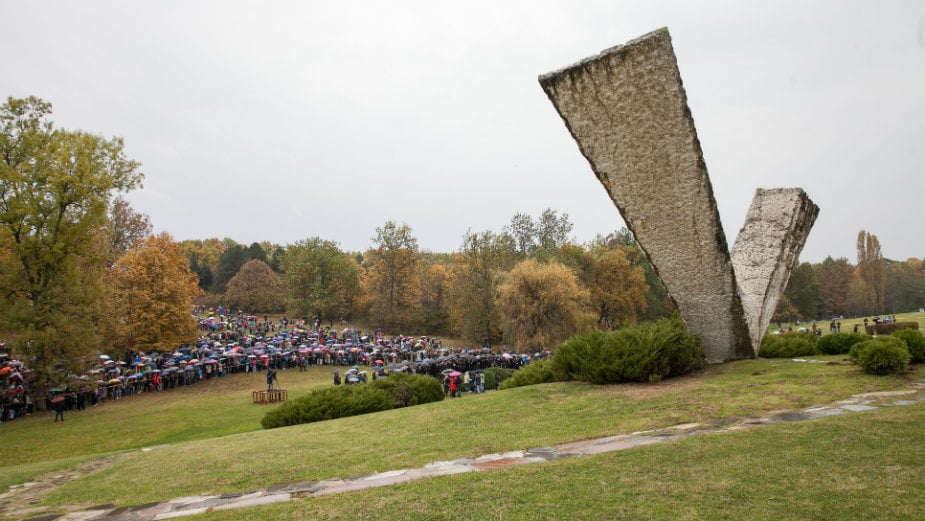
[[279, 121]]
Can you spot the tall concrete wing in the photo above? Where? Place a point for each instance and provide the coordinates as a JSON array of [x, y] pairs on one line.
[[767, 249], [627, 110]]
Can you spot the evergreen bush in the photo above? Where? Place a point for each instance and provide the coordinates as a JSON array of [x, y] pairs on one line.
[[839, 343], [915, 341], [645, 353], [495, 375], [539, 372], [788, 345], [329, 403], [410, 389], [882, 355]]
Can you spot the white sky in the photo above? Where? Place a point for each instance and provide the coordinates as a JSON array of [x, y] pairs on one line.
[[279, 121]]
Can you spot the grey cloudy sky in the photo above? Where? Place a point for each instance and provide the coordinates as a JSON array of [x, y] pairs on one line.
[[280, 121]]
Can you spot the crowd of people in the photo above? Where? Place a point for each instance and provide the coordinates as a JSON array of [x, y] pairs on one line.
[[235, 343]]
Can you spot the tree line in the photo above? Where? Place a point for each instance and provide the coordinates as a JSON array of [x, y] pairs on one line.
[[81, 272], [872, 286]]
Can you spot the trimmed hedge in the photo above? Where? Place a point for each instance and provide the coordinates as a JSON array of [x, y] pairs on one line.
[[888, 328], [839, 343], [915, 341], [882, 355], [328, 403], [788, 345]]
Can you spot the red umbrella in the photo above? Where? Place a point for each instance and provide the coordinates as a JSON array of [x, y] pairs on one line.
[[6, 370], [57, 399]]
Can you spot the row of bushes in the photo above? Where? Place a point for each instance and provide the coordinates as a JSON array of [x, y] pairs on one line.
[[645, 353], [876, 355], [328, 403]]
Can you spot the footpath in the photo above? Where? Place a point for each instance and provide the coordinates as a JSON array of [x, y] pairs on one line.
[[27, 497]]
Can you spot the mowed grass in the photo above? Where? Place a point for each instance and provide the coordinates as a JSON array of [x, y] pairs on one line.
[[207, 439]]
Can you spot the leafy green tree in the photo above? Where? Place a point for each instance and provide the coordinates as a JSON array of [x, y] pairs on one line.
[[320, 280], [484, 258], [904, 284], [229, 264], [55, 190], [803, 291]]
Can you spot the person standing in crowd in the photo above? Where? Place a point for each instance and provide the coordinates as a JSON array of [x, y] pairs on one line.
[[58, 404]]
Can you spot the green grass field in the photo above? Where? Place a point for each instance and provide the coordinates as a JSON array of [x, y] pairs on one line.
[[207, 440]]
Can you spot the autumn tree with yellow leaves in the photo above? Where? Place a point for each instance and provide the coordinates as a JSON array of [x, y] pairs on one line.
[[152, 298]]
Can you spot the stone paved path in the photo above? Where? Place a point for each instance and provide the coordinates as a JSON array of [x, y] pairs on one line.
[[27, 496]]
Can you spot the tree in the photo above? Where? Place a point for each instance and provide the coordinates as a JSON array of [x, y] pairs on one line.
[[474, 280], [55, 190], [904, 285], [153, 291], [870, 269], [803, 291], [126, 226], [229, 264], [434, 307], [393, 281], [321, 281], [552, 230], [617, 290], [523, 231], [541, 304], [256, 289], [834, 276]]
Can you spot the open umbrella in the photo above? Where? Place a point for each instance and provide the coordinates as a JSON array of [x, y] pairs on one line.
[[57, 399], [455, 373]]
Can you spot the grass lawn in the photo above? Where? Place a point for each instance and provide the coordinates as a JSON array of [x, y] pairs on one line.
[[847, 324], [207, 440]]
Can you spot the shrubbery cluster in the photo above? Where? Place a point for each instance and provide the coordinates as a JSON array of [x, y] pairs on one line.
[[839, 343], [881, 355], [328, 403], [645, 353], [494, 376], [788, 345], [915, 342]]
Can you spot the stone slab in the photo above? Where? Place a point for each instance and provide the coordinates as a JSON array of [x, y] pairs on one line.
[[627, 110], [767, 250]]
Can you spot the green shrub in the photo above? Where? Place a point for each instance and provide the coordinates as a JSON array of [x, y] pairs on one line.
[[888, 328], [839, 343], [645, 353], [539, 372], [410, 389], [788, 345], [329, 403], [915, 341], [882, 355], [495, 375]]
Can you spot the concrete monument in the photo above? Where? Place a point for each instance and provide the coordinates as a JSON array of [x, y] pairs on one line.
[[627, 110]]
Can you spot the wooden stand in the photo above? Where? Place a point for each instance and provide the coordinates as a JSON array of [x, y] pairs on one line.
[[274, 396]]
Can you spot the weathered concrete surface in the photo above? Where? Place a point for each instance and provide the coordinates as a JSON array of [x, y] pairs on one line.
[[627, 110], [766, 251]]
